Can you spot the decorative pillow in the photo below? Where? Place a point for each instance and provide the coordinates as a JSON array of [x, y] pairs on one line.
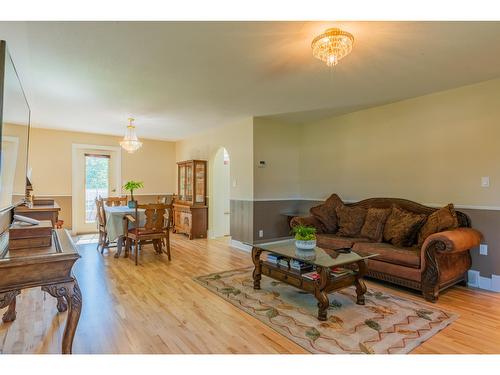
[[443, 219], [326, 213], [373, 228], [402, 226], [350, 220]]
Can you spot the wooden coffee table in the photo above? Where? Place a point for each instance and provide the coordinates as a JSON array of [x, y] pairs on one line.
[[322, 260]]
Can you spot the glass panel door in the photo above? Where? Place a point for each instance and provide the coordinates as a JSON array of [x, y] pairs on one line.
[[96, 183]]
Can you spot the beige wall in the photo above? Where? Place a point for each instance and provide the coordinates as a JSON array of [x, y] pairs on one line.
[[278, 145], [238, 141], [51, 161], [431, 149], [51, 154]]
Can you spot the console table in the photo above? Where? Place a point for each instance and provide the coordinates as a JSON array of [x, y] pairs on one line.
[[49, 268], [40, 211]]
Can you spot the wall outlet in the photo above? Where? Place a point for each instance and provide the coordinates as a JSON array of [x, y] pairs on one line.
[[261, 233], [483, 249], [485, 181]]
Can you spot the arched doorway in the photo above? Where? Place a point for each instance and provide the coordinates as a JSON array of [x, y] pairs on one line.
[[220, 196]]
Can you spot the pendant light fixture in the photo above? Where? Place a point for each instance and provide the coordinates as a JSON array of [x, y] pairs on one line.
[[130, 142]]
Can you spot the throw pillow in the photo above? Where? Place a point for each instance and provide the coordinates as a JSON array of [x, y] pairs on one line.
[[326, 213], [373, 228], [443, 219], [350, 220], [402, 227]]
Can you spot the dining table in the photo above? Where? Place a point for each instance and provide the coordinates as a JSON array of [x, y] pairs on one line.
[[114, 224]]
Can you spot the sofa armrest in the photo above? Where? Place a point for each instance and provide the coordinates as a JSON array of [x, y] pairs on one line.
[[309, 221], [445, 258], [453, 241]]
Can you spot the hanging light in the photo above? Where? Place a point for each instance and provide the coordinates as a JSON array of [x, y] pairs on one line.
[[332, 45], [130, 142]]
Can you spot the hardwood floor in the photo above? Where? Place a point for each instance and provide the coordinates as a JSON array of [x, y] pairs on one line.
[[157, 308]]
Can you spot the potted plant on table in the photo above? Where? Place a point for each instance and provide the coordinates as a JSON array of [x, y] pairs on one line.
[[305, 237], [131, 186]]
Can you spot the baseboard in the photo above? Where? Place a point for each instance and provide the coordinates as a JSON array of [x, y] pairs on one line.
[[241, 246], [477, 281]]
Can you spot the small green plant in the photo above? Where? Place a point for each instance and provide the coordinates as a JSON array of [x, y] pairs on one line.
[[304, 233], [131, 186]]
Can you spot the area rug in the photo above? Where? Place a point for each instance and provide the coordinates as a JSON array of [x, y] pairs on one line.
[[386, 324]]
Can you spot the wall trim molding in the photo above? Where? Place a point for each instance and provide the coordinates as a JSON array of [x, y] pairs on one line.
[[436, 205], [70, 195], [241, 245]]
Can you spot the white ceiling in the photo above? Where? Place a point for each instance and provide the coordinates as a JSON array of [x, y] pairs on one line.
[[180, 78]]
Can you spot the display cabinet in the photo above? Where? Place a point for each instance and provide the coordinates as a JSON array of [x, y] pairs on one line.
[[190, 207]]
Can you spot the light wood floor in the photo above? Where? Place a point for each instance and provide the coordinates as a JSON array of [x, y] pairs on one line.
[[157, 308]]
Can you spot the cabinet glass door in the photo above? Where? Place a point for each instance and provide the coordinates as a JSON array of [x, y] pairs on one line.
[[189, 182], [200, 182], [182, 182]]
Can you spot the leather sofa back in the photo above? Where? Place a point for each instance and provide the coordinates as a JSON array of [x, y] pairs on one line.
[[463, 219]]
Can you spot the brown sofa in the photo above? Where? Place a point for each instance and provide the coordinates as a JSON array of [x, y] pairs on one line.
[[440, 262]]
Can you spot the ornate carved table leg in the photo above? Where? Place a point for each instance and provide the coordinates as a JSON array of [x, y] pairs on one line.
[[257, 272], [319, 292], [9, 299], [71, 292], [359, 283], [61, 304]]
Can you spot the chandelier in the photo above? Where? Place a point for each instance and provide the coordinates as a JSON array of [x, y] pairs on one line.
[[332, 45], [130, 142]]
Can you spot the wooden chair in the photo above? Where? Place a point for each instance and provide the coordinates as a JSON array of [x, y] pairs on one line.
[[115, 201], [103, 240], [165, 199], [156, 229]]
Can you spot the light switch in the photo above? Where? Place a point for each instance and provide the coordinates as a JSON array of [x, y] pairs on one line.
[[485, 181], [234, 182]]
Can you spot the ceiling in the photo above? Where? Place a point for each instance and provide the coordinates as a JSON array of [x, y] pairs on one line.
[[181, 78]]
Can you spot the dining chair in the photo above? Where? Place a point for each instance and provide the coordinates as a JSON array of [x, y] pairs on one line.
[[156, 229], [115, 201], [165, 199], [101, 225]]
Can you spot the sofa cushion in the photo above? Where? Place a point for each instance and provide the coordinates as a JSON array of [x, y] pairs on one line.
[[332, 241], [443, 219], [326, 213], [401, 227], [373, 228], [403, 256], [350, 220]]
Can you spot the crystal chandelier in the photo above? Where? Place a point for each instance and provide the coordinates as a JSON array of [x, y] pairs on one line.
[[130, 142], [332, 45]]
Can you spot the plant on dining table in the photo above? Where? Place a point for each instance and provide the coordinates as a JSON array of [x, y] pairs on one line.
[[131, 186]]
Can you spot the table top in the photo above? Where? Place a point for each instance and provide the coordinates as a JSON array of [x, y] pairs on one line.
[[120, 209], [318, 256], [62, 246]]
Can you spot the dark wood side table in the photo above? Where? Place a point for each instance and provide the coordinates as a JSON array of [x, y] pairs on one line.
[[40, 212], [49, 268], [290, 215]]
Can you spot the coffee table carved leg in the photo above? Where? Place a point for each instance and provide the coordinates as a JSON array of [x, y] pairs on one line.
[[9, 299], [359, 283], [257, 272], [71, 293], [320, 293]]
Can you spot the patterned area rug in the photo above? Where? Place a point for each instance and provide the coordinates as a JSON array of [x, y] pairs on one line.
[[386, 324]]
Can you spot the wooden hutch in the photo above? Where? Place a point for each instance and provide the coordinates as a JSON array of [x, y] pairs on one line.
[[190, 208]]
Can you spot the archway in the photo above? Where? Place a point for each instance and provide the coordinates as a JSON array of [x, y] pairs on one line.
[[220, 194]]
